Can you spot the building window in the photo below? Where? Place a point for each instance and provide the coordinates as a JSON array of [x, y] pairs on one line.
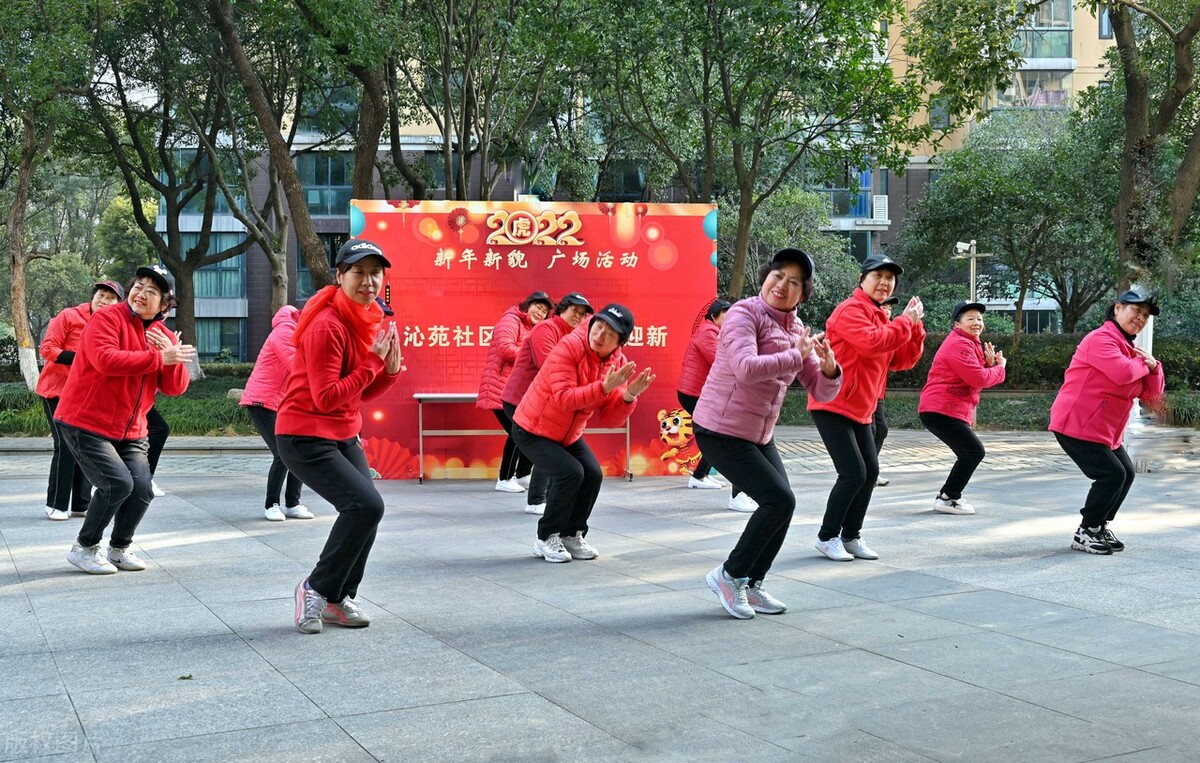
[[221, 339], [192, 164], [623, 180], [1036, 90], [1052, 14], [939, 113], [224, 279], [1106, 32], [883, 182], [304, 282], [327, 179]]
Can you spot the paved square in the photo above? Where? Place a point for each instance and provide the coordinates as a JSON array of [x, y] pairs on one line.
[[973, 638]]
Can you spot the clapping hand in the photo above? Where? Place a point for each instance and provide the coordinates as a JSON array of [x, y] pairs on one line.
[[1000, 359], [393, 361], [172, 353], [989, 354], [824, 350], [639, 385], [618, 376], [915, 310], [1145, 355]]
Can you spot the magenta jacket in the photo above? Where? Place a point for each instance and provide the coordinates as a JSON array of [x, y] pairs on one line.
[[698, 359], [1099, 387], [956, 377], [268, 380], [507, 337], [756, 361]]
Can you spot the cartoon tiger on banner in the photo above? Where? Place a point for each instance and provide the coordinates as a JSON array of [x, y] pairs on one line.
[[675, 431]]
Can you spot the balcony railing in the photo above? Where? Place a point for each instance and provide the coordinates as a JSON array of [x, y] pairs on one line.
[[1043, 43]]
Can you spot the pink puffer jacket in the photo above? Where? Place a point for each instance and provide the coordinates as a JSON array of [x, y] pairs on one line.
[[268, 380]]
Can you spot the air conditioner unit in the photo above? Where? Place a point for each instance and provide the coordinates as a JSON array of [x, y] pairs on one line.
[[879, 207]]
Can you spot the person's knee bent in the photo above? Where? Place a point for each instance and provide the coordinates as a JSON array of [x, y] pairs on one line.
[[119, 487], [369, 506], [142, 491], [973, 454]]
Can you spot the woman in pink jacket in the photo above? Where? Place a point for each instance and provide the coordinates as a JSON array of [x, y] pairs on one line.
[[1089, 415], [507, 337], [68, 491], [961, 368], [698, 358], [261, 399], [763, 348]]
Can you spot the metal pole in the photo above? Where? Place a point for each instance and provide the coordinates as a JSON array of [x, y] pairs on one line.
[[972, 270]]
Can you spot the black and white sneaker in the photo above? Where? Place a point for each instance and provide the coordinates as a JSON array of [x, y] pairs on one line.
[[1111, 539], [1091, 541]]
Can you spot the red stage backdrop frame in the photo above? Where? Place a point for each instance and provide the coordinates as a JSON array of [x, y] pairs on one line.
[[458, 265]]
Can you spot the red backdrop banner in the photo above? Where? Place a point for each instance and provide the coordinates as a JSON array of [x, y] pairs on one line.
[[457, 265]]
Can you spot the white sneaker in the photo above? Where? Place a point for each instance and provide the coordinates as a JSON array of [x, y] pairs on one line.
[[714, 481], [90, 560], [731, 592], [535, 508], [124, 559], [509, 486], [158, 491], [743, 503], [578, 547], [56, 515], [952, 506], [275, 514], [297, 512], [704, 484], [859, 549], [761, 601], [551, 549], [524, 481], [834, 549], [882, 482]]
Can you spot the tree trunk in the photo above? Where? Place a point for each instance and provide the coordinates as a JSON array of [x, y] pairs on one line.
[[1131, 214], [741, 243], [313, 249], [185, 293], [32, 149]]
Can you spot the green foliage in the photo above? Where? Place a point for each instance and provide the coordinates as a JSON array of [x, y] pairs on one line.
[[1182, 409], [50, 285], [122, 245]]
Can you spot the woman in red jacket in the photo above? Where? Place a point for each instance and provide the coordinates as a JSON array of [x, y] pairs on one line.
[[585, 375], [507, 337], [261, 399], [1089, 415], [868, 345], [68, 491], [543, 338], [961, 368], [343, 357], [698, 358], [126, 355]]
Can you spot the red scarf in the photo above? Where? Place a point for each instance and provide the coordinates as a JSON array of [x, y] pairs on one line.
[[362, 320]]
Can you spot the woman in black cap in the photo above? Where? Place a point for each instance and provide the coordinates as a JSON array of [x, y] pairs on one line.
[[126, 356], [764, 347], [344, 355], [507, 337], [698, 358], [1089, 415], [961, 368], [68, 491], [585, 375], [868, 345]]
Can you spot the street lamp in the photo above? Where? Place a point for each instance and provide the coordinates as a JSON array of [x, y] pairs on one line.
[[965, 251]]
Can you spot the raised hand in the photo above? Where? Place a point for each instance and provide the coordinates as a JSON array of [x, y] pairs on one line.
[[824, 352], [157, 339], [807, 341], [178, 353], [618, 376], [989, 354], [915, 310], [394, 360], [639, 384], [382, 343], [1141, 352], [1000, 359]]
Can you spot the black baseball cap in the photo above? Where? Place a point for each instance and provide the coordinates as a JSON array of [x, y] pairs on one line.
[[794, 255], [384, 306], [878, 261], [1138, 296], [717, 307], [357, 248], [160, 275], [964, 306], [619, 317], [112, 286], [539, 296], [575, 298]]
